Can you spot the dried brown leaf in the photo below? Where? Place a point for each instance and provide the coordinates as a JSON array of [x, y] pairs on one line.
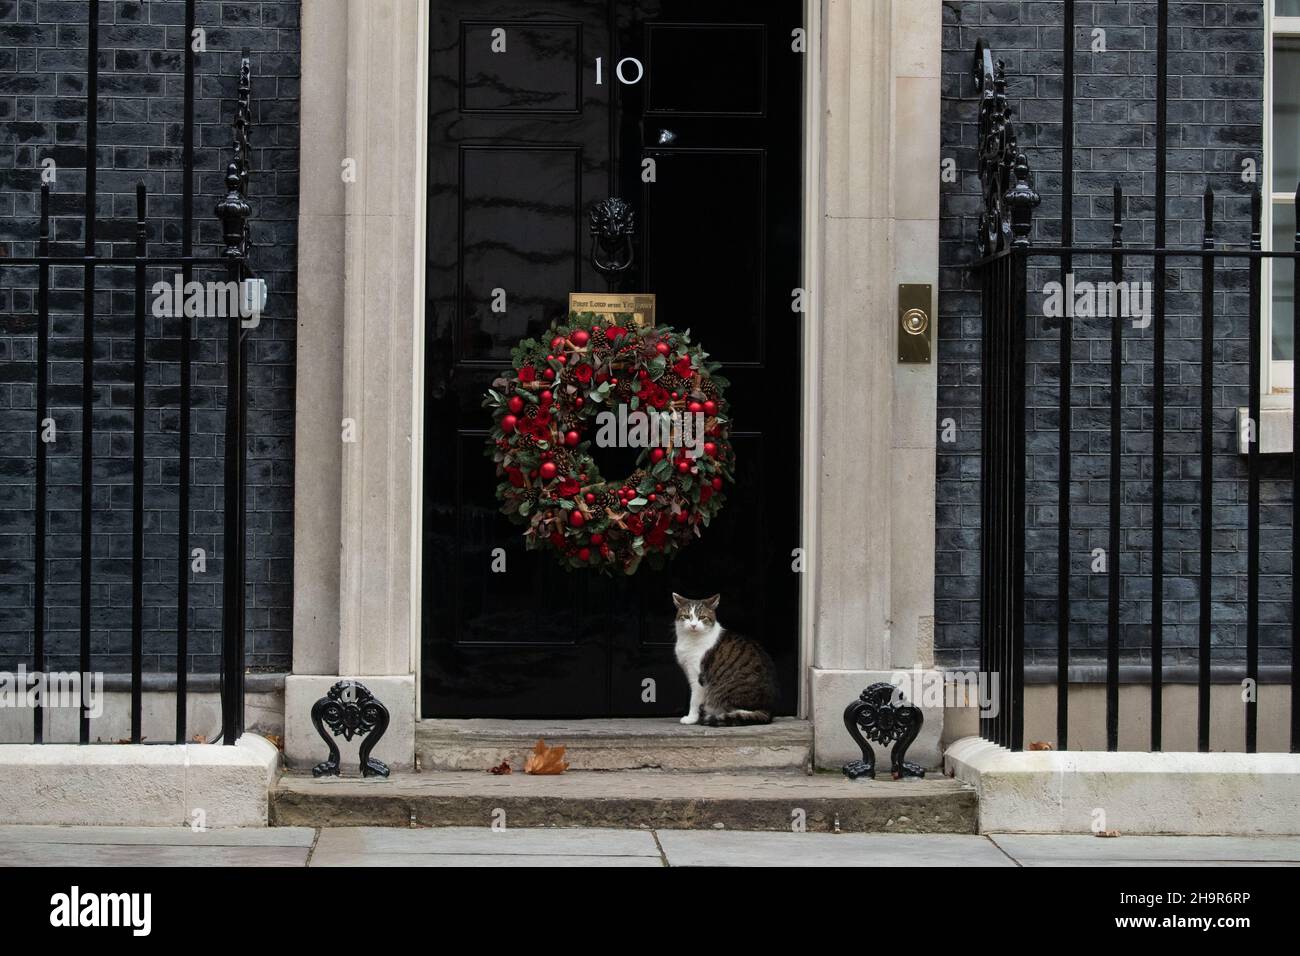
[[545, 760], [501, 769]]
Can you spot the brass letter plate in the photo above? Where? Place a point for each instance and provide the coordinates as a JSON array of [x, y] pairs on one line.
[[915, 324]]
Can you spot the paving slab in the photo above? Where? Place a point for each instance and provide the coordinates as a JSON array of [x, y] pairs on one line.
[[362, 842], [101, 855], [690, 848], [1080, 850], [158, 836], [493, 860], [633, 799], [481, 846]]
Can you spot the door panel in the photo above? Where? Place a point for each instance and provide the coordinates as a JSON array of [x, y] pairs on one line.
[[727, 72], [518, 232], [725, 188], [540, 71], [522, 143]]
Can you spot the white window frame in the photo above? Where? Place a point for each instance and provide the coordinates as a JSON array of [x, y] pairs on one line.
[[1278, 387]]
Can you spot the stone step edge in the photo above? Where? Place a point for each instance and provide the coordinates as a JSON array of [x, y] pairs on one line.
[[947, 812], [427, 739], [627, 727], [639, 757]]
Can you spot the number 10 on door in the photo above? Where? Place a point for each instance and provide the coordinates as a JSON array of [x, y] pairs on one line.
[[623, 71]]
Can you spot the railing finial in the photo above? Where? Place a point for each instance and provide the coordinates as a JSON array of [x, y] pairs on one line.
[[1022, 198], [1006, 180], [234, 210]]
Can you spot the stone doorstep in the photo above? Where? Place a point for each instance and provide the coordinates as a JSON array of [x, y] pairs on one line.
[[153, 785], [629, 799], [616, 744], [1204, 794]]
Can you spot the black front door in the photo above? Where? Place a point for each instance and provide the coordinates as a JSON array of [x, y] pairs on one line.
[[537, 111]]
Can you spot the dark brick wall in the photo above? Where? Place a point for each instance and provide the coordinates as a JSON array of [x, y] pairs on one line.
[[43, 116], [1215, 122]]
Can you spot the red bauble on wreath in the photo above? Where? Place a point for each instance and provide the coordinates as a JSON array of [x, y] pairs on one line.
[[645, 386]]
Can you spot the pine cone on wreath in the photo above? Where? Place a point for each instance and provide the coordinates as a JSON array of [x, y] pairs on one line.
[[674, 383]]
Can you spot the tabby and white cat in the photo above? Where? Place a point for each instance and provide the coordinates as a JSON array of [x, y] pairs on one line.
[[732, 678]]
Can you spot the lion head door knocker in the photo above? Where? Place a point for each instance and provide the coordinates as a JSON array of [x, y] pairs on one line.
[[613, 226], [881, 714], [351, 710]]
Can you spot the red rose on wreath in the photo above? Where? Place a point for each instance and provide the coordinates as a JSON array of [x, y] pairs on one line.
[[607, 524]]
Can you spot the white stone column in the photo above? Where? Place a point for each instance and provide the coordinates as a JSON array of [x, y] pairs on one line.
[[873, 588], [318, 452], [381, 345], [380, 169], [917, 32]]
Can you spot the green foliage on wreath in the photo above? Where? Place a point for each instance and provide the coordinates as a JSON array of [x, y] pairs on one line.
[[545, 407]]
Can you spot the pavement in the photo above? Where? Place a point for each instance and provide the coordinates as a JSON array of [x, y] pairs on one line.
[[582, 847]]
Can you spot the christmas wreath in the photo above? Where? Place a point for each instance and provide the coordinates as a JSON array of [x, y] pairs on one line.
[[641, 386]]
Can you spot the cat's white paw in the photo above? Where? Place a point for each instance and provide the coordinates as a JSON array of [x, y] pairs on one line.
[[691, 719]]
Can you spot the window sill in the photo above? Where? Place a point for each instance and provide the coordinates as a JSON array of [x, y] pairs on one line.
[[1276, 430]]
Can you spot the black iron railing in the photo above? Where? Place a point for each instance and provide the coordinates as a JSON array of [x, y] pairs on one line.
[[1005, 257], [233, 263]]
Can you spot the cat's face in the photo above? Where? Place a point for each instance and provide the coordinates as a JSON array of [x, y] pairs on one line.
[[696, 617]]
